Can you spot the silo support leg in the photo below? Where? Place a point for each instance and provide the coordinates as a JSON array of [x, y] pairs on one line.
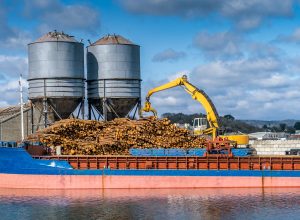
[[82, 110], [55, 112], [112, 109], [104, 109], [90, 111], [136, 108], [45, 112], [32, 119]]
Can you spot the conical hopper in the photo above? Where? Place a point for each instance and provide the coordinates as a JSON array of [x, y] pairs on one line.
[[57, 108], [116, 107]]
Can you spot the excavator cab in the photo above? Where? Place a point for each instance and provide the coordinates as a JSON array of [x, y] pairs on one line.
[[199, 125]]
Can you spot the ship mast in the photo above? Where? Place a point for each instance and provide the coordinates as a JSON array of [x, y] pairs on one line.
[[21, 103]]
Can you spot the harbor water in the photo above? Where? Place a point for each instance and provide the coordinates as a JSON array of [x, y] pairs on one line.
[[118, 204]]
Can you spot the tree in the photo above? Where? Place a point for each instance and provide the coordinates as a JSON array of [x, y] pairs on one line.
[[282, 126], [290, 130], [265, 127], [182, 118], [229, 117], [297, 125], [275, 129]]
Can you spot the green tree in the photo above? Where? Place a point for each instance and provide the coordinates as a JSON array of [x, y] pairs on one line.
[[297, 125], [282, 126], [290, 130], [229, 117], [265, 127], [275, 129]]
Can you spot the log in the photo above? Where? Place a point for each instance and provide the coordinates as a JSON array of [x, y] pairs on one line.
[[89, 137]]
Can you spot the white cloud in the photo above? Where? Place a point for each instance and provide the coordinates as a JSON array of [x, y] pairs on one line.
[[187, 8], [53, 14], [221, 45], [178, 74], [242, 104], [11, 38], [169, 100], [232, 45], [168, 55], [249, 23], [12, 66], [245, 15], [248, 89], [13, 85], [275, 81], [250, 14], [10, 92], [10, 69], [291, 38], [18, 41]]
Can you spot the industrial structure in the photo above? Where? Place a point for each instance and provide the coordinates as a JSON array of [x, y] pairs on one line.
[[10, 122], [57, 82], [113, 77], [56, 78]]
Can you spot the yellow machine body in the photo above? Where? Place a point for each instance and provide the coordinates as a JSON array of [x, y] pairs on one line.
[[240, 139]]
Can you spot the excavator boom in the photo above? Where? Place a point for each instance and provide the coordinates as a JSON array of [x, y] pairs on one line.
[[211, 112]]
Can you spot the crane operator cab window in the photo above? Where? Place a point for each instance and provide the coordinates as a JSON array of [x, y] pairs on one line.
[[199, 124]]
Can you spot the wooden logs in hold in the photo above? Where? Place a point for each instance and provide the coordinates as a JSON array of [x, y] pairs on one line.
[[87, 137]]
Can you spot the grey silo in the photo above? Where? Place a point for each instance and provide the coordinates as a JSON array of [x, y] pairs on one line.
[[56, 75], [113, 76]]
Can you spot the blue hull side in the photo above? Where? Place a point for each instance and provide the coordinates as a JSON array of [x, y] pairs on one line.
[[18, 161]]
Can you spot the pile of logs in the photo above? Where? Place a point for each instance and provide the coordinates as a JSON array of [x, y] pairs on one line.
[[87, 137]]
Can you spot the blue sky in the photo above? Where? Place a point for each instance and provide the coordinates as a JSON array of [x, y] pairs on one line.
[[244, 54]]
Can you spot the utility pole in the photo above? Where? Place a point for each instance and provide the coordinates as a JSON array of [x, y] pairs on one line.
[[21, 103]]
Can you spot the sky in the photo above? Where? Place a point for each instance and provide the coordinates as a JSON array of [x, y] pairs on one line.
[[243, 54]]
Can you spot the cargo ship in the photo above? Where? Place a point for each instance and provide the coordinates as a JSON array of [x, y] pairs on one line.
[[57, 86], [18, 169]]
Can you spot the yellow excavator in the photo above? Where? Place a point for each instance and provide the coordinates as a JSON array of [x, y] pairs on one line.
[[199, 124]]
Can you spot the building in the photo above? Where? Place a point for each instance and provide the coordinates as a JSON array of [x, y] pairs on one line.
[[268, 136], [10, 122]]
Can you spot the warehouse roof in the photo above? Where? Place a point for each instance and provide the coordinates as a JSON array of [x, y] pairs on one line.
[[267, 135], [11, 111]]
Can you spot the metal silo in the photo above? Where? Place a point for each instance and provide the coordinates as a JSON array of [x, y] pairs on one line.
[[113, 77], [56, 77]]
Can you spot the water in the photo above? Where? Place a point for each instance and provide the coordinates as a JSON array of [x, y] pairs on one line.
[[151, 204]]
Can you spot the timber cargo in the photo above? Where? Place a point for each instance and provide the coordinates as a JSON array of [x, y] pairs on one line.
[[90, 137], [18, 169]]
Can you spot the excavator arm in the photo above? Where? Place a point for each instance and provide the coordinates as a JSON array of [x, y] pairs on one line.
[[197, 94]]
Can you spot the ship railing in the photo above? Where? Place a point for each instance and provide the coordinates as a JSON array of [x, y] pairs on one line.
[[180, 163]]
